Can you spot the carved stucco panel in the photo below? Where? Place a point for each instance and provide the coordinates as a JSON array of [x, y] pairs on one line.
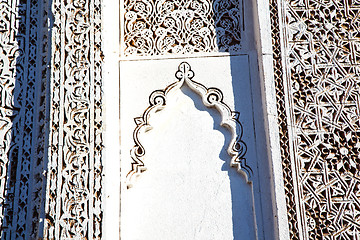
[[73, 197], [74, 187], [321, 72], [22, 115], [153, 27], [282, 120]]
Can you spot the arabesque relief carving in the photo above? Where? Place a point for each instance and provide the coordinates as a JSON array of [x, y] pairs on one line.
[[22, 116], [154, 27], [321, 47], [74, 185], [211, 97]]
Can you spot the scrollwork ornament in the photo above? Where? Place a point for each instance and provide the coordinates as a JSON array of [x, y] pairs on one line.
[[74, 187], [22, 113], [211, 97], [154, 27]]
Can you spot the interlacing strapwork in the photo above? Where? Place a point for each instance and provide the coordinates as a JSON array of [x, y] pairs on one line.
[[322, 51], [155, 27]]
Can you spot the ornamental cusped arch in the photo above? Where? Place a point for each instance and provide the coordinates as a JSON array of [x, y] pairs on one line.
[[212, 98]]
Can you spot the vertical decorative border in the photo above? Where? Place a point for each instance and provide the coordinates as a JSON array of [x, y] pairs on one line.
[[23, 109], [12, 74], [320, 71], [41, 133], [74, 195], [282, 120]]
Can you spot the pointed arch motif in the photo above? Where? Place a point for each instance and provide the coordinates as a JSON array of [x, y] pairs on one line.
[[211, 97]]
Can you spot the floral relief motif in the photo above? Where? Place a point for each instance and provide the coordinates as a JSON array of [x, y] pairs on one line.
[[322, 41], [289, 187], [74, 185], [22, 116], [154, 27]]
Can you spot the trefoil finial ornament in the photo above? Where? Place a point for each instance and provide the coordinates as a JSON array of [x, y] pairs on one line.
[[211, 97]]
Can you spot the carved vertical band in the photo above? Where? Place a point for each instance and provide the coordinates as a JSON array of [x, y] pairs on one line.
[[282, 121], [23, 84], [74, 187]]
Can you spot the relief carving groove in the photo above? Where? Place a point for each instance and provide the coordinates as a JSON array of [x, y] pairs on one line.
[[154, 27], [211, 97], [321, 46]]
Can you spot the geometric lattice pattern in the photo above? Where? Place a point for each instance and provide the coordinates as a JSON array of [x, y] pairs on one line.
[[322, 61], [154, 27]]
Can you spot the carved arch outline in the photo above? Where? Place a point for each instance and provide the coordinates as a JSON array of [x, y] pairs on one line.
[[211, 97]]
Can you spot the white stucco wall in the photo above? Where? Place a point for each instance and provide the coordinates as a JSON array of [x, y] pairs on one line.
[[189, 190], [138, 78]]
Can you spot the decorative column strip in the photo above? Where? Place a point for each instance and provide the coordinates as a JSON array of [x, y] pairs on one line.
[[12, 74], [73, 207], [41, 118], [282, 120], [22, 121]]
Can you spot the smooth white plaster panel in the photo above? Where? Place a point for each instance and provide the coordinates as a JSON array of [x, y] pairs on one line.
[[189, 190], [111, 137]]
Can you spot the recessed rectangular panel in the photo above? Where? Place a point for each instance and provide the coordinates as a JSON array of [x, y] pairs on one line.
[[180, 134]]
